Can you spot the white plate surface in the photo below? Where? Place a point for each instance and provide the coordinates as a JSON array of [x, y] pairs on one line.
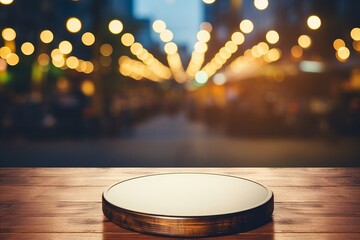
[[187, 194]]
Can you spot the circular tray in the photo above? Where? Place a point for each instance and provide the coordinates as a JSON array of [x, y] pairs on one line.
[[188, 204]]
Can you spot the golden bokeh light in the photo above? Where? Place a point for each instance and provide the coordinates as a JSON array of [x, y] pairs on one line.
[[88, 38], [46, 36], [338, 43], [170, 48], [263, 48], [209, 1], [58, 62], [343, 53], [115, 26], [296, 51], [3, 65], [12, 59], [203, 36], [89, 67], [63, 84], [5, 52], [166, 35], [261, 4], [65, 47], [238, 38], [6, 2], [246, 26], [355, 34], [273, 55], [127, 39], [27, 48], [231, 47], [200, 47], [8, 34], [73, 25], [304, 41], [136, 48], [106, 49], [43, 59], [272, 37], [356, 46], [314, 22], [72, 62], [159, 26], [88, 88], [56, 54]]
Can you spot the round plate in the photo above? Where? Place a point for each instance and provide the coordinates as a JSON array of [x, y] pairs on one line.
[[188, 204]]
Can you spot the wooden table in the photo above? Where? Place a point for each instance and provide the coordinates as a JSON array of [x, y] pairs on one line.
[[65, 203]]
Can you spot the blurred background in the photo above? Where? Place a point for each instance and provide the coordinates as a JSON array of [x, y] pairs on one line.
[[158, 83]]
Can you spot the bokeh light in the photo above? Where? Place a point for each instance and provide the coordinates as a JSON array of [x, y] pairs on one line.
[[355, 34], [209, 1], [338, 43], [343, 53], [88, 88], [46, 36], [5, 52], [166, 35], [6, 2], [170, 48], [201, 77], [304, 41], [73, 25], [8, 34], [127, 39], [72, 62], [27, 48], [12, 59], [296, 51], [219, 79], [246, 26], [261, 4], [106, 49], [65, 47], [159, 26], [272, 37], [115, 26], [203, 36], [238, 38], [43, 59], [314, 22], [88, 38]]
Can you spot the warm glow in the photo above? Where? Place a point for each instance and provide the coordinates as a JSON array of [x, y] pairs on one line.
[[166, 36], [106, 49], [88, 88], [355, 34], [12, 59], [5, 52], [72, 62], [272, 37], [296, 51], [338, 43], [27, 48], [159, 26], [58, 62], [343, 53], [314, 22], [56, 54], [246, 26], [6, 2], [105, 61], [231, 47], [203, 36], [63, 84], [3, 65], [115, 26], [73, 25], [65, 47], [127, 39], [9, 34], [261, 4], [170, 48], [88, 39], [43, 59], [238, 38], [304, 41], [89, 67], [219, 79], [209, 1], [200, 47], [273, 55], [201, 77], [356, 45], [46, 36], [136, 48], [263, 48]]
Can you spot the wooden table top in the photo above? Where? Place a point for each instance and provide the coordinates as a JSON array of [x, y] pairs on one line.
[[65, 203]]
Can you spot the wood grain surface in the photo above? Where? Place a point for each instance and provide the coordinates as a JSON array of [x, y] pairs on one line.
[[65, 203]]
